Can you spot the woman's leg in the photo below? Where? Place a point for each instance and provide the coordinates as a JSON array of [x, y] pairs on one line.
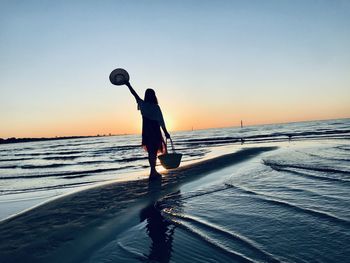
[[152, 159]]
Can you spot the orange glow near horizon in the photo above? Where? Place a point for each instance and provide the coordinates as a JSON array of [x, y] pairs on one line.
[[120, 116], [132, 125]]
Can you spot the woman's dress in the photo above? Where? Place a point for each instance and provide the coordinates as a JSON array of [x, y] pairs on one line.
[[152, 120]]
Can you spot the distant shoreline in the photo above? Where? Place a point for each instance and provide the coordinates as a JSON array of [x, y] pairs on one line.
[[18, 140]]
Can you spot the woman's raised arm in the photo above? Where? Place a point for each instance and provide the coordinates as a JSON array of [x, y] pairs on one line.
[[133, 92]]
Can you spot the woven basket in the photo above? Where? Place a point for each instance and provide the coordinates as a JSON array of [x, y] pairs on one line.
[[170, 160]]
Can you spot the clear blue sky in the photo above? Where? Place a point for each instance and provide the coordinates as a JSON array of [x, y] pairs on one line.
[[212, 63]]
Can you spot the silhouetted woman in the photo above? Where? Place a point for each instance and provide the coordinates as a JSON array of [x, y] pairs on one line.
[[152, 120]]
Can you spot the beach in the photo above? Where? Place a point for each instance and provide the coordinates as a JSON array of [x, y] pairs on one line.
[[175, 131], [281, 196]]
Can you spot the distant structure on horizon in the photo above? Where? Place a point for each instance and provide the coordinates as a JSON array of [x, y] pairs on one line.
[[241, 124]]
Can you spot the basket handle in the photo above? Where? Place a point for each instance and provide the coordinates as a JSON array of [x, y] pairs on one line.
[[172, 144]]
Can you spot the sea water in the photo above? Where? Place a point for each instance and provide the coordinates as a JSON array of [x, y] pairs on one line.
[[287, 205]]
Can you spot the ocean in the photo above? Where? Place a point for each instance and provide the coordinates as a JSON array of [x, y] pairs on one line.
[[288, 204]]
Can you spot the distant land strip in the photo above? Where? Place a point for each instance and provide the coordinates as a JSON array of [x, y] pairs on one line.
[[17, 140]]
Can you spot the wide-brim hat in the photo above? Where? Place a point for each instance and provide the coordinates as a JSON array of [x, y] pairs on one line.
[[119, 76]]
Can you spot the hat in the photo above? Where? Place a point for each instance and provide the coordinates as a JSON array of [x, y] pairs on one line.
[[119, 76]]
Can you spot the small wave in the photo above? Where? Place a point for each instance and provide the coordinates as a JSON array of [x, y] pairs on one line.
[[313, 193], [41, 166], [56, 146], [308, 175], [321, 132], [304, 173], [64, 152], [53, 165], [96, 162], [305, 167], [132, 253], [81, 143], [173, 198], [213, 242], [15, 159], [8, 167], [116, 149], [80, 175], [217, 139], [45, 188], [49, 153], [270, 199], [67, 175], [73, 144], [268, 137], [246, 242], [343, 147], [71, 157], [324, 157], [132, 159]]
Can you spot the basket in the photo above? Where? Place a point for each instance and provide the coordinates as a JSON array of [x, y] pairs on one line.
[[170, 160]]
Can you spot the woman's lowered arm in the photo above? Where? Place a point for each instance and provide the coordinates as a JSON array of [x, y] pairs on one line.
[[167, 135], [162, 124]]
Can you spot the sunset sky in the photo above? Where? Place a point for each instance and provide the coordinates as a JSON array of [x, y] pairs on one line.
[[212, 63]]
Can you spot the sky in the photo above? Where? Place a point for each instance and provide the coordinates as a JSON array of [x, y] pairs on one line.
[[211, 63]]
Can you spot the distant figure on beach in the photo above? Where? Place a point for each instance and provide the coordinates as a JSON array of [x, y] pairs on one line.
[[242, 140], [152, 120]]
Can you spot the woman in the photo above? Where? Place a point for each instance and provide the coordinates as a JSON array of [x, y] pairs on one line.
[[152, 120]]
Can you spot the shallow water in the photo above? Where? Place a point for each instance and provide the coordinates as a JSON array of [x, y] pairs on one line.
[[286, 205], [36, 171]]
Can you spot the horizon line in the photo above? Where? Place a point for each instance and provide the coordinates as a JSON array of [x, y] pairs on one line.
[[184, 130]]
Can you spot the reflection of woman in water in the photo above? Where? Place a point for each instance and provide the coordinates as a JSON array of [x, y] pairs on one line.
[[161, 233], [160, 229], [152, 120]]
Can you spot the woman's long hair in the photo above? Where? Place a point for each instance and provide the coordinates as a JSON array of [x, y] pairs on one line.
[[150, 96]]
